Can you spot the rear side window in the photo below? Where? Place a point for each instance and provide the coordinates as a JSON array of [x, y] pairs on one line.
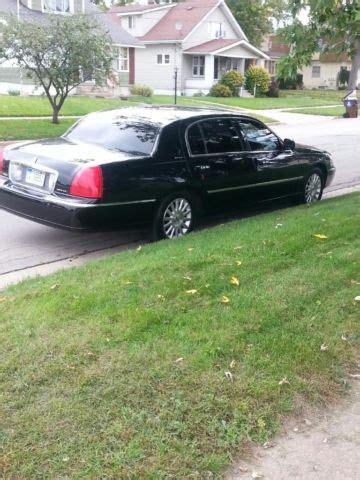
[[214, 136], [258, 136]]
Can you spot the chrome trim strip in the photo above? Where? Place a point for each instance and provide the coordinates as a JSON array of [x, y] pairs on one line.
[[241, 187], [69, 202]]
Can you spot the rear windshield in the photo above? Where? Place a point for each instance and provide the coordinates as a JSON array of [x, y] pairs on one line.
[[130, 136]]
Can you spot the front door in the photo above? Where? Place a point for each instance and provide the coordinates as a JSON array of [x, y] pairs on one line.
[[278, 171]]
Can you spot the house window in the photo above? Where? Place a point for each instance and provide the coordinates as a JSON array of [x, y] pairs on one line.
[[60, 6], [199, 66], [316, 71], [121, 61], [131, 22], [163, 59], [216, 30]]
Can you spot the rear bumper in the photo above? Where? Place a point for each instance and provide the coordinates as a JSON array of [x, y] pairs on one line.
[[72, 214]]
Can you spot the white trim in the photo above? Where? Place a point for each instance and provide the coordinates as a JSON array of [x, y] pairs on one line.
[[234, 21], [141, 12], [228, 47]]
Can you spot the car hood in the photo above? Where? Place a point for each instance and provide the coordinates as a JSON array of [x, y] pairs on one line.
[[62, 150], [300, 148]]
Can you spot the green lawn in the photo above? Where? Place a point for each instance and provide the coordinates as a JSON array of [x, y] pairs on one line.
[[291, 101], [132, 367], [32, 129], [330, 112]]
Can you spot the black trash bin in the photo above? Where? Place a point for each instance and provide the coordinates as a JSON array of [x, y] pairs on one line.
[[351, 105]]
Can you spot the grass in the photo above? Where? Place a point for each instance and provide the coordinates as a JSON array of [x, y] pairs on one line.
[[285, 101], [32, 129], [329, 112], [113, 370]]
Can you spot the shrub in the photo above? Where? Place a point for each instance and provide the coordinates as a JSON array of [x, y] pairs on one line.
[[273, 91], [14, 93], [219, 90], [234, 80], [258, 76], [141, 90]]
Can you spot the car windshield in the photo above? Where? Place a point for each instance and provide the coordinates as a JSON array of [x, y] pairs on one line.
[[126, 135]]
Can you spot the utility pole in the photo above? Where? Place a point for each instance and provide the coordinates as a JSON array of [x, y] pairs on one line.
[[176, 81], [18, 10]]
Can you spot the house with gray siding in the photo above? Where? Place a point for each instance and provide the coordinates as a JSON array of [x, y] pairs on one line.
[[11, 78], [195, 40]]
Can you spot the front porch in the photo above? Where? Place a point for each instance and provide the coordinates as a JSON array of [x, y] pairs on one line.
[[202, 68]]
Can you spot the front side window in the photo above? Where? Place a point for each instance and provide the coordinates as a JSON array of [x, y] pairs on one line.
[[163, 59], [198, 66], [258, 136], [316, 71], [121, 60], [129, 136], [60, 6], [214, 136]]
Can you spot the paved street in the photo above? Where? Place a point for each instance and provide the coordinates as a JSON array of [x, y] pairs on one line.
[[25, 244]]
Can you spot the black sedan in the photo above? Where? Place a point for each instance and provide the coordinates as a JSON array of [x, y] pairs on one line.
[[158, 164]]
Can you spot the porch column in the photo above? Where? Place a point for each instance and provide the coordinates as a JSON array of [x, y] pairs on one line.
[[209, 71]]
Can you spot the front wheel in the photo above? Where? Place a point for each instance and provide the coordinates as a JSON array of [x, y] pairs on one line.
[[313, 187], [175, 217]]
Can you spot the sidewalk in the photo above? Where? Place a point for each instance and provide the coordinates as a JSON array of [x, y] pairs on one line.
[[325, 448]]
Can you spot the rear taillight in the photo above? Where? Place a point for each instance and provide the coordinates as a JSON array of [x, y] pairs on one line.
[[1, 161], [88, 183]]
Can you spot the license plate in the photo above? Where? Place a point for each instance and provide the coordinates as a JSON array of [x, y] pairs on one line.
[[35, 177]]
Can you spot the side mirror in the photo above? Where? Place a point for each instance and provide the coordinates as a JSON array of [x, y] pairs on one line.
[[289, 144]]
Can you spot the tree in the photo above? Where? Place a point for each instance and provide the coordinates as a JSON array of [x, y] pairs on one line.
[[59, 54], [256, 17], [333, 26]]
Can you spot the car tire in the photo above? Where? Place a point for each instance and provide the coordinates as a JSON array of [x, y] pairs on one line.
[[313, 187], [175, 216]]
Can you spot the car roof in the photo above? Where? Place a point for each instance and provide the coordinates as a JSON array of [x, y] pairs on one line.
[[161, 115]]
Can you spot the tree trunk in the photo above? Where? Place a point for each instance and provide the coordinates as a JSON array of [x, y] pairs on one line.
[[354, 69], [55, 117]]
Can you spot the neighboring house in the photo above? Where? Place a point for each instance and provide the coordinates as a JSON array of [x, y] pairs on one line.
[[199, 40], [323, 72], [38, 11], [275, 49]]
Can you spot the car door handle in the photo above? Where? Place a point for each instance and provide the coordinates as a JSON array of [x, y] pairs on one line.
[[202, 167]]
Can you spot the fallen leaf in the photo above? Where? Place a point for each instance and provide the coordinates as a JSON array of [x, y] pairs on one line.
[[267, 445], [284, 381], [234, 281], [325, 440], [179, 360], [232, 364], [238, 248], [324, 347], [307, 422], [191, 291], [225, 299], [295, 429], [161, 297], [278, 225], [354, 375], [139, 248], [320, 236], [229, 376], [343, 338], [128, 283], [65, 459], [190, 249], [187, 278], [354, 282], [55, 286], [256, 474], [357, 299], [238, 263]]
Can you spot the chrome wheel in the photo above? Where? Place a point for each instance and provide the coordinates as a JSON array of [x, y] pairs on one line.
[[313, 188], [177, 218]]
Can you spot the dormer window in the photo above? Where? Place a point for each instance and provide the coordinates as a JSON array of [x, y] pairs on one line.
[[57, 6], [131, 22]]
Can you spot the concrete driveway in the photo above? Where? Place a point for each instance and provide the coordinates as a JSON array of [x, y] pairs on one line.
[[28, 248]]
